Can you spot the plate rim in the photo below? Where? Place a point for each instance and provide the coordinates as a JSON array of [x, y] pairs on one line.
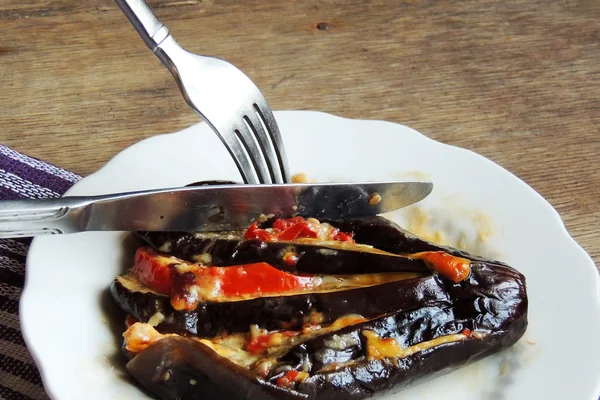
[[585, 257]]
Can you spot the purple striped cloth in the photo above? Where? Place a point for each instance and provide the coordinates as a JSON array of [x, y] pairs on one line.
[[21, 177]]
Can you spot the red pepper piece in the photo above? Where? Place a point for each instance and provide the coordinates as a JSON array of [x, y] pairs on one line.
[[154, 271], [301, 229], [288, 379], [291, 233], [254, 232], [307, 232], [343, 237], [254, 279], [452, 267], [284, 224]]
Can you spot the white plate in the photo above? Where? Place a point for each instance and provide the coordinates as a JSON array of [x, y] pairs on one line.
[[65, 309]]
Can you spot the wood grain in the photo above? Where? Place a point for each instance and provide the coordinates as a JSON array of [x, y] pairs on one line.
[[516, 81]]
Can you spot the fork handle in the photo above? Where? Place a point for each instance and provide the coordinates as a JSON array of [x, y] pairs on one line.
[[152, 31]]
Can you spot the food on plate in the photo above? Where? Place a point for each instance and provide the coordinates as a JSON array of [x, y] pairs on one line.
[[304, 309]]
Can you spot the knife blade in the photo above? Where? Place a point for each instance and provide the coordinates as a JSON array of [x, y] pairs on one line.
[[205, 208]]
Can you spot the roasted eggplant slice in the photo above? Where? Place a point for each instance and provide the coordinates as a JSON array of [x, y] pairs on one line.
[[277, 312], [184, 369], [360, 310], [388, 236], [230, 248], [380, 246], [481, 313], [355, 361]]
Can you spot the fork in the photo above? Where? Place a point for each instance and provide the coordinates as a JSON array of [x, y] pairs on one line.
[[226, 99]]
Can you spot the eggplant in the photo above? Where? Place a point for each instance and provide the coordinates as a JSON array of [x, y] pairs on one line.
[[434, 323], [391, 245], [291, 312], [183, 369], [178, 368], [500, 292], [230, 248], [491, 305], [388, 236], [208, 319]]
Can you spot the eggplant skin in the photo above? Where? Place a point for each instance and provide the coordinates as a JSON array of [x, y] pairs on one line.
[[208, 319], [311, 259], [388, 236], [497, 308], [181, 368], [492, 301], [273, 313], [378, 377], [376, 231], [185, 369]]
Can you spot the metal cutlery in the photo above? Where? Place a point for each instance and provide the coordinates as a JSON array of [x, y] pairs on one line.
[[224, 97], [204, 208]]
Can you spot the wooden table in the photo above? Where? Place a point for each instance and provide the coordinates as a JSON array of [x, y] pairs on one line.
[[516, 81]]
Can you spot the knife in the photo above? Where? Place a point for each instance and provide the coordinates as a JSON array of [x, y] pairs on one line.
[[205, 208]]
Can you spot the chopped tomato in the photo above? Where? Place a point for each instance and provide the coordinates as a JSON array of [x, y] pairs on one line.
[[153, 270], [454, 268], [467, 332]]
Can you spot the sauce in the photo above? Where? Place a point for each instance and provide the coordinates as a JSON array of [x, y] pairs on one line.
[[457, 269], [388, 348]]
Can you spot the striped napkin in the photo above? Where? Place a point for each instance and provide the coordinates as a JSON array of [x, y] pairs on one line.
[[21, 177]]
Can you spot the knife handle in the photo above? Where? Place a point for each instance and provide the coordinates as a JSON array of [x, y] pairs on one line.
[[25, 218], [152, 31]]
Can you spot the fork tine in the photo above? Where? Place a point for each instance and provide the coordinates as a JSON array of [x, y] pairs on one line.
[[239, 154], [248, 137], [273, 144], [265, 142], [266, 148]]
